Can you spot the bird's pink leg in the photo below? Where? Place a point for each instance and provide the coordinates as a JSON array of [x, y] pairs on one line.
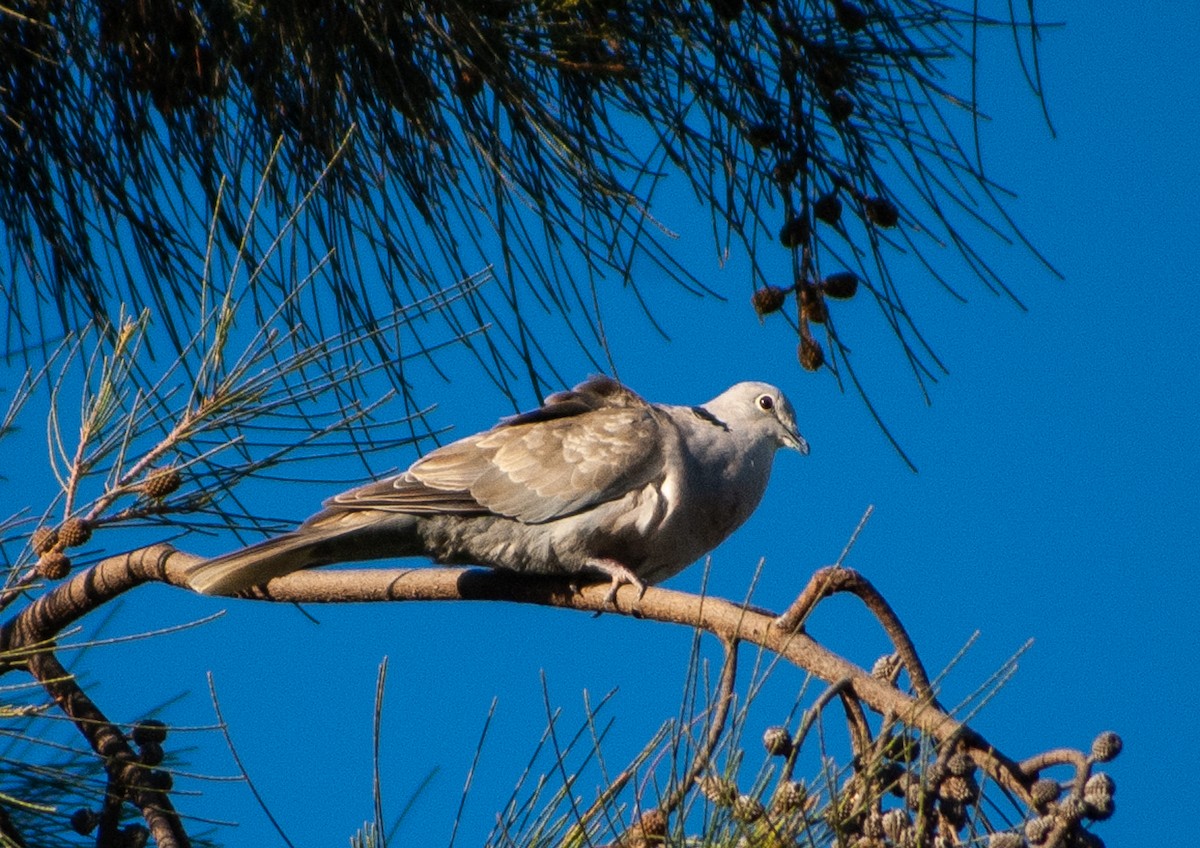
[[620, 575]]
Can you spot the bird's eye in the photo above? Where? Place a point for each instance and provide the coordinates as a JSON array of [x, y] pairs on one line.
[[766, 403]]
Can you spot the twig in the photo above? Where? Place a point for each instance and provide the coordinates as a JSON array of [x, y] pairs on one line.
[[237, 760], [466, 790], [862, 522], [716, 727], [614, 786], [810, 715], [833, 579], [376, 744], [860, 730], [1058, 757], [108, 827], [703, 756]]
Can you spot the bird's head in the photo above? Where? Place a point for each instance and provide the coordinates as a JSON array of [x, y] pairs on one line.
[[760, 409]]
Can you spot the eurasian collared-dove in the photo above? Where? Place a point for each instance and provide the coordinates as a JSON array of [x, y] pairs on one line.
[[596, 481]]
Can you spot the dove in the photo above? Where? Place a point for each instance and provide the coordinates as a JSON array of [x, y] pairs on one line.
[[596, 482]]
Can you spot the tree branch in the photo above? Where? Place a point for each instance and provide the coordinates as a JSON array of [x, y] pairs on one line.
[[829, 581], [27, 642], [730, 622], [127, 776]]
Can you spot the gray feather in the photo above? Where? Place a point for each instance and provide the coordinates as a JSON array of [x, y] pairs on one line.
[[324, 539]]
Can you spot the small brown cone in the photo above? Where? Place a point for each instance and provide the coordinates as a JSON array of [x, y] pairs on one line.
[[469, 83], [960, 764], [747, 808], [895, 823], [54, 565], [158, 484], [158, 780], [1099, 785], [768, 300], [651, 826], [1106, 746], [1044, 792], [43, 540], [777, 741], [840, 107], [1036, 830], [784, 172], [790, 797], [151, 754], [960, 789], [812, 304], [74, 532], [84, 822], [840, 286], [851, 17], [720, 791], [828, 208], [881, 212], [763, 135], [795, 231], [149, 730], [812, 357]]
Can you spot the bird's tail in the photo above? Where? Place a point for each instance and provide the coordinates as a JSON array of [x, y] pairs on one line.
[[254, 565], [322, 540]]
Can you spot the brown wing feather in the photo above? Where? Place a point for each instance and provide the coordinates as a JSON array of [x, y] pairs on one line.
[[596, 392], [582, 448], [404, 494], [538, 472]]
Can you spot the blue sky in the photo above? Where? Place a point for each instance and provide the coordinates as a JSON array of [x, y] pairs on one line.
[[1056, 501]]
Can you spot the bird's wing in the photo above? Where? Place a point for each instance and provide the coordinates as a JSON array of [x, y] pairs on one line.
[[597, 392], [584, 447]]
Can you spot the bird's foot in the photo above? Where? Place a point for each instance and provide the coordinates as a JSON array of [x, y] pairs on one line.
[[620, 575]]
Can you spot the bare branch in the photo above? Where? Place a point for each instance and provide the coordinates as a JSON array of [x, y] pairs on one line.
[[128, 778], [834, 579], [728, 621]]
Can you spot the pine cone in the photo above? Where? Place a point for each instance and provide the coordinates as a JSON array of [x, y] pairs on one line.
[[158, 484], [74, 532], [812, 357]]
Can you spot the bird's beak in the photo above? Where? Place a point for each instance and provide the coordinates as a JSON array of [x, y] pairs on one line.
[[793, 439]]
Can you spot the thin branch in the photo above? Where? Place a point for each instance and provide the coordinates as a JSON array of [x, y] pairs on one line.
[[237, 760], [1058, 757], [716, 728], [829, 581], [376, 740], [837, 688]]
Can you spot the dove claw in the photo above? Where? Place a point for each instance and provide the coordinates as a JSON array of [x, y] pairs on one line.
[[620, 575]]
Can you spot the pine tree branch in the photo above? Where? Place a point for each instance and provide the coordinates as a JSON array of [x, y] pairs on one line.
[[128, 778]]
